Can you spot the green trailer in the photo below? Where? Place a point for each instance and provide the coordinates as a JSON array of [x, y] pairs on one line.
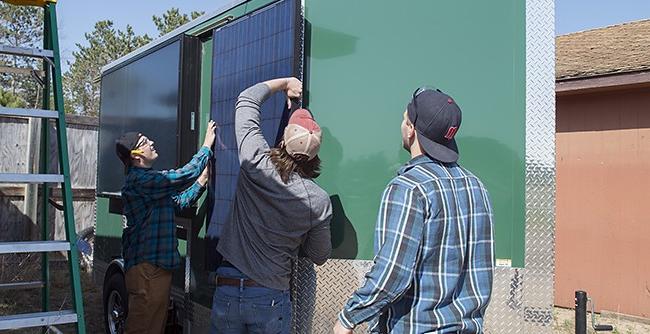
[[360, 62]]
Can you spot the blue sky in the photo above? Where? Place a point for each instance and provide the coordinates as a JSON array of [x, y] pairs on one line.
[[579, 15], [78, 16]]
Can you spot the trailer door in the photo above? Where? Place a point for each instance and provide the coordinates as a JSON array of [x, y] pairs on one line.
[[263, 45]]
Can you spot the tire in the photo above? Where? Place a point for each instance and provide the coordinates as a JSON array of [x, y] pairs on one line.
[[116, 305]]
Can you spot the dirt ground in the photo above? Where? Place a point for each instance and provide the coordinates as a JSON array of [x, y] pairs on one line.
[[564, 323], [26, 301]]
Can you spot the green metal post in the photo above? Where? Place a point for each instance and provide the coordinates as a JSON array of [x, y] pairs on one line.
[[70, 231], [44, 166]]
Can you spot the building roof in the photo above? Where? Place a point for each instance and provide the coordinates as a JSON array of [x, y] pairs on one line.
[[621, 48]]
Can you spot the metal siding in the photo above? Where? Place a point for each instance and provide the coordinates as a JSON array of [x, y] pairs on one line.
[[603, 173], [537, 286]]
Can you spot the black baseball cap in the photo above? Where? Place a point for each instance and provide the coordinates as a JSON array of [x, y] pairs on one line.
[[436, 118], [125, 144]]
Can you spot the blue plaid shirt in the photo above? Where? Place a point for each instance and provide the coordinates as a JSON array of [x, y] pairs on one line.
[[151, 199], [434, 254]]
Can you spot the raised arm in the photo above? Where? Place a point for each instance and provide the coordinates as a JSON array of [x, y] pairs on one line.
[[189, 196], [248, 127], [163, 183]]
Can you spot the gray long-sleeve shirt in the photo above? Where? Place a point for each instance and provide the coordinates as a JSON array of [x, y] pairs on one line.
[[271, 221]]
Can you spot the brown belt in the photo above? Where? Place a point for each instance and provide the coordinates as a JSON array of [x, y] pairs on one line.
[[236, 282]]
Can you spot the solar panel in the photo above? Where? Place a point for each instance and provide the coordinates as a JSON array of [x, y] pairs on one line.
[[141, 96], [258, 47]]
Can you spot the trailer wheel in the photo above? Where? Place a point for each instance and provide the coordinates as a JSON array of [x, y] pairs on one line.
[[116, 305]]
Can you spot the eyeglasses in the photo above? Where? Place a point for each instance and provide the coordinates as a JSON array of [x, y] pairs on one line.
[[144, 141]]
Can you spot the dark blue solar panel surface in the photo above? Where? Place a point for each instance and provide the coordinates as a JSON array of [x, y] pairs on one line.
[[253, 49], [141, 96]]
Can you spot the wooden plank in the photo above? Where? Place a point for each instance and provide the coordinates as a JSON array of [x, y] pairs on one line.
[[82, 120], [20, 70], [70, 119], [78, 194], [602, 83]]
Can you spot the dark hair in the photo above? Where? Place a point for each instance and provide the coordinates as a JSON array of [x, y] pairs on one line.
[[286, 164]]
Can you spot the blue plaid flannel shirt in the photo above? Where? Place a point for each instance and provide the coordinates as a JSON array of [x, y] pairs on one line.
[[434, 254], [151, 199]]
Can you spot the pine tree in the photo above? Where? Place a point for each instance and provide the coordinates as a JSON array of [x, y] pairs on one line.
[[172, 19], [21, 26], [103, 45]]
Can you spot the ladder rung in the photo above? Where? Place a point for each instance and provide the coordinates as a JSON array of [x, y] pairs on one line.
[[33, 247], [22, 285], [30, 178], [27, 52], [38, 319], [28, 112]]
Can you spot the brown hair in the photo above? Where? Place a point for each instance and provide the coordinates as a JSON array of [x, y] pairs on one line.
[[286, 164]]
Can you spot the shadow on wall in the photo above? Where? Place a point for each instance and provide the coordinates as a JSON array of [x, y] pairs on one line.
[[356, 186], [14, 225], [331, 44], [344, 237]]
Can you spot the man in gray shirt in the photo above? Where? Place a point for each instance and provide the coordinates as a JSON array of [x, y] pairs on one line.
[[278, 211]]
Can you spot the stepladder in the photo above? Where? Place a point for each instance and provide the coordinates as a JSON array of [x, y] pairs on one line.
[[51, 113]]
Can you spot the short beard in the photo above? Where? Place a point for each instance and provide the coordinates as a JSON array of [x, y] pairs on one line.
[[406, 146]]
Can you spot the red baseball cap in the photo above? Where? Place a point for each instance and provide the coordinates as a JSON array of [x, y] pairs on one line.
[[302, 134]]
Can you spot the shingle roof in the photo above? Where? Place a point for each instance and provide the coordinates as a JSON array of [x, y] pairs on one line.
[[615, 49]]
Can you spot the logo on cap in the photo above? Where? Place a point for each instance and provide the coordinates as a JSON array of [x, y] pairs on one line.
[[451, 132]]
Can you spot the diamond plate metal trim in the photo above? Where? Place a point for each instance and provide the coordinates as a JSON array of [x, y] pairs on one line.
[[504, 314], [319, 292], [540, 167]]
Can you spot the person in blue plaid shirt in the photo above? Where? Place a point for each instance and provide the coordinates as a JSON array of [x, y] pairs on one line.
[[149, 245], [433, 267]]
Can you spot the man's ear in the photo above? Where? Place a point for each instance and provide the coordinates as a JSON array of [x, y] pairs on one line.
[[411, 130]]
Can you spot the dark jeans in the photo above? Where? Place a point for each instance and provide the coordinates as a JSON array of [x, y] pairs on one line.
[[249, 309]]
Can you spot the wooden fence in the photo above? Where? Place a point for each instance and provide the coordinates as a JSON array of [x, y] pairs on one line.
[[16, 217]]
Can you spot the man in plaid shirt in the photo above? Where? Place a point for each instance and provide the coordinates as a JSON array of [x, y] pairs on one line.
[[433, 267], [149, 244]]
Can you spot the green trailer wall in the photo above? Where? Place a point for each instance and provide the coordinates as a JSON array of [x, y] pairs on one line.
[[365, 58], [363, 61]]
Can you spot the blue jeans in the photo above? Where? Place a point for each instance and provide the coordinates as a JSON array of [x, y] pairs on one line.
[[249, 309]]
